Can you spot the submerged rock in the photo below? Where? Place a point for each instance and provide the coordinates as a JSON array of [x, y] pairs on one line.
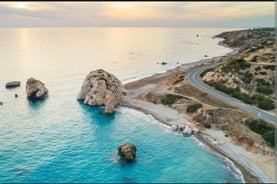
[[35, 88], [13, 84], [128, 151], [102, 88]]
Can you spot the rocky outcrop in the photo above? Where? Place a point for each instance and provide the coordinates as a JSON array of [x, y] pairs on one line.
[[128, 151], [13, 84], [102, 88], [35, 88], [185, 129]]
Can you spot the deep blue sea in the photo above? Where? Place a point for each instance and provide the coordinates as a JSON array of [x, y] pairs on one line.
[[59, 139]]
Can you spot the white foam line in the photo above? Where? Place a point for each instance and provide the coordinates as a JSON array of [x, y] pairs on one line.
[[229, 164]]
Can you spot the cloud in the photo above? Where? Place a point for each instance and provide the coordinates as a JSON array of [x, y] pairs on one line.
[[136, 13]]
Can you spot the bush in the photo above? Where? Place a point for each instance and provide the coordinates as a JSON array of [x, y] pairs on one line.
[[254, 59], [264, 129], [259, 126], [207, 125], [271, 67], [237, 64], [270, 137], [247, 77], [170, 99], [262, 82], [266, 104], [267, 90], [193, 108]]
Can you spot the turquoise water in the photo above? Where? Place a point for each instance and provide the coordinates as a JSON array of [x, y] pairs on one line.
[[80, 145], [59, 139]]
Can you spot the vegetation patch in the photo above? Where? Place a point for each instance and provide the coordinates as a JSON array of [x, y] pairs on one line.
[[181, 78], [247, 77], [260, 100], [193, 108], [207, 125], [205, 71], [236, 64], [170, 99], [267, 90], [263, 128]]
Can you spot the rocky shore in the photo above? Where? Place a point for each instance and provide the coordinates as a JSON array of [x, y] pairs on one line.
[[167, 97]]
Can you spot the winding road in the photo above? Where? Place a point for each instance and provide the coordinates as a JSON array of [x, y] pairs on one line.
[[194, 78]]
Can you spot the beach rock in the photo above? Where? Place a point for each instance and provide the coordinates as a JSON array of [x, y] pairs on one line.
[[175, 127], [128, 151], [35, 88], [102, 88], [13, 84], [187, 130]]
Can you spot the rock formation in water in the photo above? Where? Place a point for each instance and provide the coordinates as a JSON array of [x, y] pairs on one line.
[[13, 84], [102, 88], [35, 88], [128, 151]]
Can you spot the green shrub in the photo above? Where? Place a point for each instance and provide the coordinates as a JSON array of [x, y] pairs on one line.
[[254, 59], [193, 108], [259, 126], [267, 90], [236, 64], [247, 77], [170, 99], [207, 125], [206, 71], [262, 82], [266, 104], [264, 129], [270, 137], [271, 67]]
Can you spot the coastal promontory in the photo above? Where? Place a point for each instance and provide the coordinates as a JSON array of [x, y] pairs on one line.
[[35, 88], [102, 88]]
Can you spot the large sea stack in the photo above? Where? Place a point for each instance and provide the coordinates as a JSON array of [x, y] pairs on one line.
[[102, 88], [35, 88]]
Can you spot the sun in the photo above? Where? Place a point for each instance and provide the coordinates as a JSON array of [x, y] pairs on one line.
[[20, 5]]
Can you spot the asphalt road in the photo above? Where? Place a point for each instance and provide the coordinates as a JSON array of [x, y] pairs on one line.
[[194, 78]]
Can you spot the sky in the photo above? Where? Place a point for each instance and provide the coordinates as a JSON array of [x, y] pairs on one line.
[[138, 14]]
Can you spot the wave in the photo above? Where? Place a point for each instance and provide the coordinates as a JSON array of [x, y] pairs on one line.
[[228, 163]]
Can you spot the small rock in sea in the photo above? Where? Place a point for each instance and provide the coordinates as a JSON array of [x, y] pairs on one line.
[[128, 151], [164, 63], [177, 62], [15, 95], [35, 88], [1, 103], [13, 84], [205, 55], [197, 35]]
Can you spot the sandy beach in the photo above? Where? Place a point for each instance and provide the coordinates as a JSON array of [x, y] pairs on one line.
[[255, 167]]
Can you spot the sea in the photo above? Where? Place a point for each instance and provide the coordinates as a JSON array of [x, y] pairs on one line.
[[59, 139]]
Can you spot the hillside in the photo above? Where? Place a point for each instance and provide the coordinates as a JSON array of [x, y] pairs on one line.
[[249, 75]]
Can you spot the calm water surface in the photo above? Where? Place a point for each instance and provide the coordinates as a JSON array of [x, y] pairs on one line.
[[61, 140]]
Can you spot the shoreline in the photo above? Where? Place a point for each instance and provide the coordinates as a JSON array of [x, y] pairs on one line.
[[249, 174]]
